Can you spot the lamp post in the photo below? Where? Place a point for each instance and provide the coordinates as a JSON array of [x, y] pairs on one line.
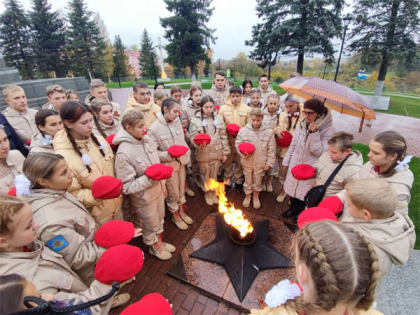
[[346, 21], [116, 67]]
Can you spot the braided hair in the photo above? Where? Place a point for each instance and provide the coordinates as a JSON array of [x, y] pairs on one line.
[[343, 266], [71, 111], [290, 98], [205, 100], [96, 106]]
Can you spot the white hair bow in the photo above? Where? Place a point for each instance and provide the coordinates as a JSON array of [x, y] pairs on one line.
[[86, 159], [279, 111], [295, 114], [215, 123], [23, 185], [46, 140], [281, 292], [102, 146], [204, 123], [403, 165]]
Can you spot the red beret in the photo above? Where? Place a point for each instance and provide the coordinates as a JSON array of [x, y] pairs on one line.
[[106, 187], [119, 263], [12, 191], [286, 140], [177, 150], [152, 303], [314, 214], [114, 233], [159, 171], [332, 203], [246, 148], [109, 139], [233, 129], [303, 171], [202, 138]]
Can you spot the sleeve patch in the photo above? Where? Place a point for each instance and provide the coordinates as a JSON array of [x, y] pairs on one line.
[[57, 243]]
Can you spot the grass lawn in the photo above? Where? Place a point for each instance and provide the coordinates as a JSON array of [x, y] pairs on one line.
[[414, 207]]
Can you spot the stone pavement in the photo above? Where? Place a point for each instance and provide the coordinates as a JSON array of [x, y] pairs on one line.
[[408, 127]]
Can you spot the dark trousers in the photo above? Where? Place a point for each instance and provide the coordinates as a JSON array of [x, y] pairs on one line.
[[297, 205]]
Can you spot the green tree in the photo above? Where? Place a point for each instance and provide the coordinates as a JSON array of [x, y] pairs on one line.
[[147, 58], [120, 59], [187, 33], [86, 47], [385, 30], [48, 39], [15, 39], [295, 27]]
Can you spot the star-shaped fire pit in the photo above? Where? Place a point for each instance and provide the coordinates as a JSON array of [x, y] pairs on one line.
[[242, 262]]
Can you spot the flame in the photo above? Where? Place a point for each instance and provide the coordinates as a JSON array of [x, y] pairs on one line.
[[234, 217]]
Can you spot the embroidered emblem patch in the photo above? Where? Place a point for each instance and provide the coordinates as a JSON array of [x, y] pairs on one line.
[[57, 243]]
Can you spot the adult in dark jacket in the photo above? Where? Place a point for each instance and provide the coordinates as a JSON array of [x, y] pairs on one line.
[[15, 142]]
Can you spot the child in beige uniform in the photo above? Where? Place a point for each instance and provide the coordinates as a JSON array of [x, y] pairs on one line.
[[210, 156], [259, 162], [11, 162], [336, 268], [48, 122], [167, 131], [136, 152], [105, 121], [234, 112], [255, 100]]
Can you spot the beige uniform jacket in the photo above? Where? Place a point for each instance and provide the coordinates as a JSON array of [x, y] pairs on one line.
[[51, 274], [60, 214], [232, 114], [265, 146], [150, 110], [188, 112], [131, 161], [107, 129], [219, 96], [9, 168], [284, 123], [166, 134], [101, 210], [325, 166], [23, 123], [271, 120], [393, 238], [215, 128], [265, 93], [39, 143]]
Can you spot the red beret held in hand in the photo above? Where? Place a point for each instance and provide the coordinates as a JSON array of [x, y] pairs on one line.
[[233, 129], [246, 148], [109, 139], [119, 263], [12, 191], [177, 150], [114, 233], [303, 171], [152, 303], [106, 187], [314, 214], [285, 140], [332, 203], [202, 138], [159, 171]]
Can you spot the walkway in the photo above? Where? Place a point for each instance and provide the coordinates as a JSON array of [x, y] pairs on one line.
[[408, 127]]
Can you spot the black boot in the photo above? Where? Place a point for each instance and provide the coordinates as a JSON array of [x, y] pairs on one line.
[[296, 207]]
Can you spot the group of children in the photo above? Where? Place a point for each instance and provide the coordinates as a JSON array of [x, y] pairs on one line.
[[242, 134]]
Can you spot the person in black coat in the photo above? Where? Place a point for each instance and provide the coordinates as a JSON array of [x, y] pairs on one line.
[[15, 142]]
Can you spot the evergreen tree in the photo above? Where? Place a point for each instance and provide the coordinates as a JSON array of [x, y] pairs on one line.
[[120, 63], [187, 32], [385, 30], [147, 58], [85, 45], [48, 39], [295, 27], [15, 39]]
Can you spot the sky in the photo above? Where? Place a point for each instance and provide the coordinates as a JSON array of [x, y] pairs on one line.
[[232, 19]]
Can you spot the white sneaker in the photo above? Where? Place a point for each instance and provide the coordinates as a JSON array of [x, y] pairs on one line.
[[247, 201], [189, 191], [280, 198]]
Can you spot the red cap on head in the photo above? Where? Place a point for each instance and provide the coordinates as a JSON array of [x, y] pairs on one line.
[[285, 140], [12, 191], [303, 171], [177, 150], [332, 203], [119, 263], [246, 148], [109, 139], [152, 303], [159, 171], [106, 187], [202, 138], [114, 233], [314, 214], [233, 129]]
